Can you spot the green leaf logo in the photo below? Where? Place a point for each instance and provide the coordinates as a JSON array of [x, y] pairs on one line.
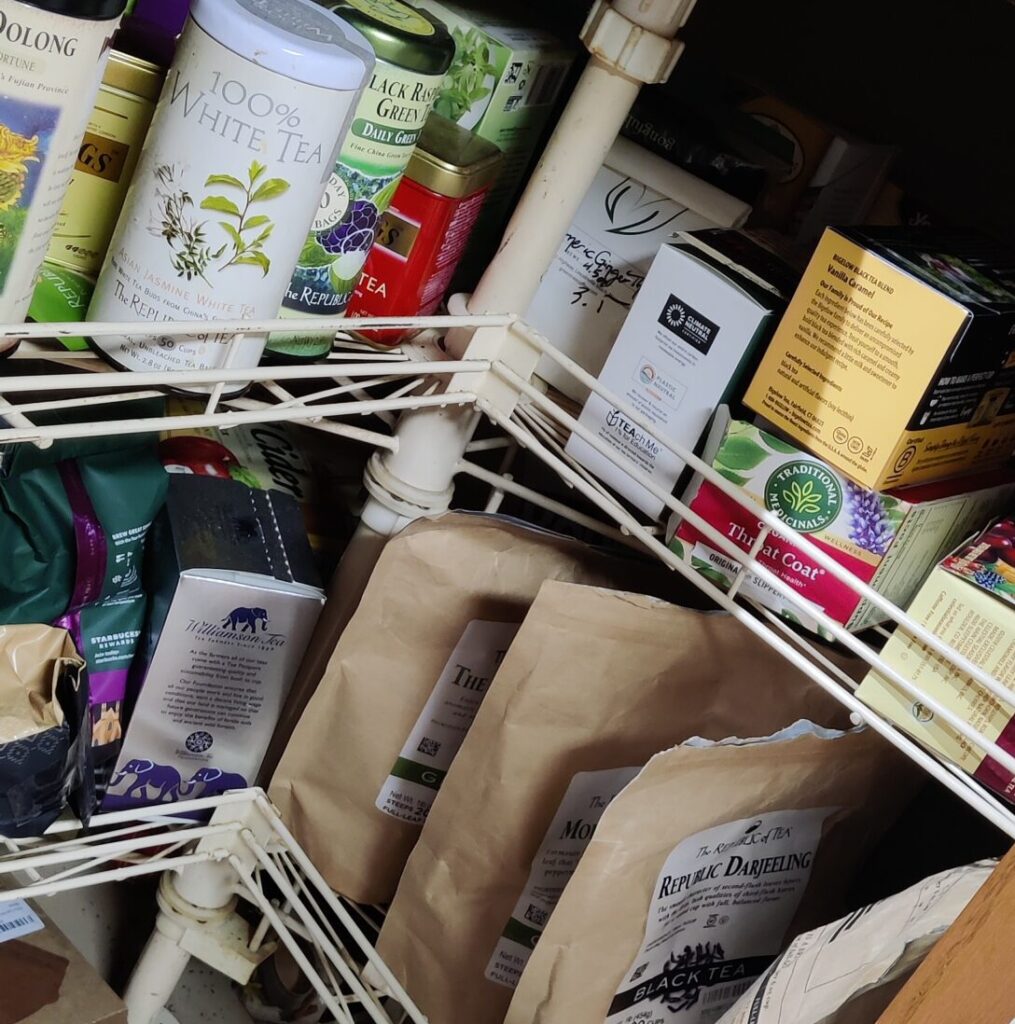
[[805, 494]]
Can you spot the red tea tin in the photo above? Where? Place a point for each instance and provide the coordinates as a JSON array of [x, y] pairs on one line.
[[424, 232]]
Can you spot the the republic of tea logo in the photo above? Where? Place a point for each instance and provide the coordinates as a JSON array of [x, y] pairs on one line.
[[804, 495]]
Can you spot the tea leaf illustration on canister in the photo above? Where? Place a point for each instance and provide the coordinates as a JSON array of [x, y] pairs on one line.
[[247, 247]]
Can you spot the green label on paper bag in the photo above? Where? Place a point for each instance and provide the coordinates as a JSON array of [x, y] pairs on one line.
[[422, 774]]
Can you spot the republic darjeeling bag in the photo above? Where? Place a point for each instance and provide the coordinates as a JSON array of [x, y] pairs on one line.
[[405, 681], [594, 683], [702, 869]]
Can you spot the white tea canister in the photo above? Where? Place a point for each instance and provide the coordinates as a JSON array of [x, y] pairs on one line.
[[238, 157]]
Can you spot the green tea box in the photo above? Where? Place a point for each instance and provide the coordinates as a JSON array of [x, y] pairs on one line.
[[503, 84]]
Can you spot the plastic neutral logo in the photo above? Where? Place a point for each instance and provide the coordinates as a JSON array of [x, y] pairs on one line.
[[804, 495]]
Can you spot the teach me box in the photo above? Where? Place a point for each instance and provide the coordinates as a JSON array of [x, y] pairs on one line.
[[890, 541], [709, 303], [968, 602], [895, 361], [235, 596]]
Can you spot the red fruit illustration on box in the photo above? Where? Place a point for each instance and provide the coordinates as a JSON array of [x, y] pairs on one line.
[[198, 455], [201, 456]]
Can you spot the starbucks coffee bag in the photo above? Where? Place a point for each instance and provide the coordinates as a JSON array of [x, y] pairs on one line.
[[407, 676], [593, 685], [702, 869]]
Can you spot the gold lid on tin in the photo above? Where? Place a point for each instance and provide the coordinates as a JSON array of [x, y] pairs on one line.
[[133, 75], [451, 160]]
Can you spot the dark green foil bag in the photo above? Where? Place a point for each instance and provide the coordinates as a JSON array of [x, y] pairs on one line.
[[73, 533]]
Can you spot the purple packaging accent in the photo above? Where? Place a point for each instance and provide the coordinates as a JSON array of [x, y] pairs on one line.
[[152, 30], [92, 551], [108, 687]]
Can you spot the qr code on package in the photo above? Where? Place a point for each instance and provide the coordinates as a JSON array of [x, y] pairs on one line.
[[536, 915], [428, 747]]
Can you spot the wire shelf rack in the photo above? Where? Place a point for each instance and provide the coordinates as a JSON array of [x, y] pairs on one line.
[[359, 393]]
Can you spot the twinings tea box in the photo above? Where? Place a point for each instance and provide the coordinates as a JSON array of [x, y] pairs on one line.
[[889, 541], [969, 602], [235, 597], [896, 358], [690, 342]]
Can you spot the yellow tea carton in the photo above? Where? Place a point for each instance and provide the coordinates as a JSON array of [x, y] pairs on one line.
[[969, 602], [895, 361]]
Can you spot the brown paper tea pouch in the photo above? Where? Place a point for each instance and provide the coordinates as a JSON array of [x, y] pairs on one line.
[[595, 681], [45, 742], [406, 679], [702, 869]]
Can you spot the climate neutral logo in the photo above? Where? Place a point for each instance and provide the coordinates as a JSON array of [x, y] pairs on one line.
[[804, 495], [688, 324]]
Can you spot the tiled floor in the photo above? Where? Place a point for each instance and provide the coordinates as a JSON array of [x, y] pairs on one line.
[[95, 920]]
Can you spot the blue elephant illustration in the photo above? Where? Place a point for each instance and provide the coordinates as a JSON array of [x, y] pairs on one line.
[[213, 781], [159, 777], [246, 619]]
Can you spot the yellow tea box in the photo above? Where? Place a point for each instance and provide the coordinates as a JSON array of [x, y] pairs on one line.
[[895, 361], [969, 602]]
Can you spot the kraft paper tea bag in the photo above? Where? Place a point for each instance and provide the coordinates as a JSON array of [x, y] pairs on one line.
[[595, 681], [44, 739], [406, 679], [700, 871]]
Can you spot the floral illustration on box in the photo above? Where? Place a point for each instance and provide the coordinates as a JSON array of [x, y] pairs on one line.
[[873, 518], [246, 233], [26, 132], [989, 560]]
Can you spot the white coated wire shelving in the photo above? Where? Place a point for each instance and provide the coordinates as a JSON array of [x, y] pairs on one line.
[[359, 393]]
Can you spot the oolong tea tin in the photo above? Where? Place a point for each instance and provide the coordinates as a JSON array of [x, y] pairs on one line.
[[413, 51], [240, 150], [52, 55]]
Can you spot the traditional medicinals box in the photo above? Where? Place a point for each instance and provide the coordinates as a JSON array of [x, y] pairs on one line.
[[895, 361], [235, 597], [969, 603], [693, 336], [889, 541]]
